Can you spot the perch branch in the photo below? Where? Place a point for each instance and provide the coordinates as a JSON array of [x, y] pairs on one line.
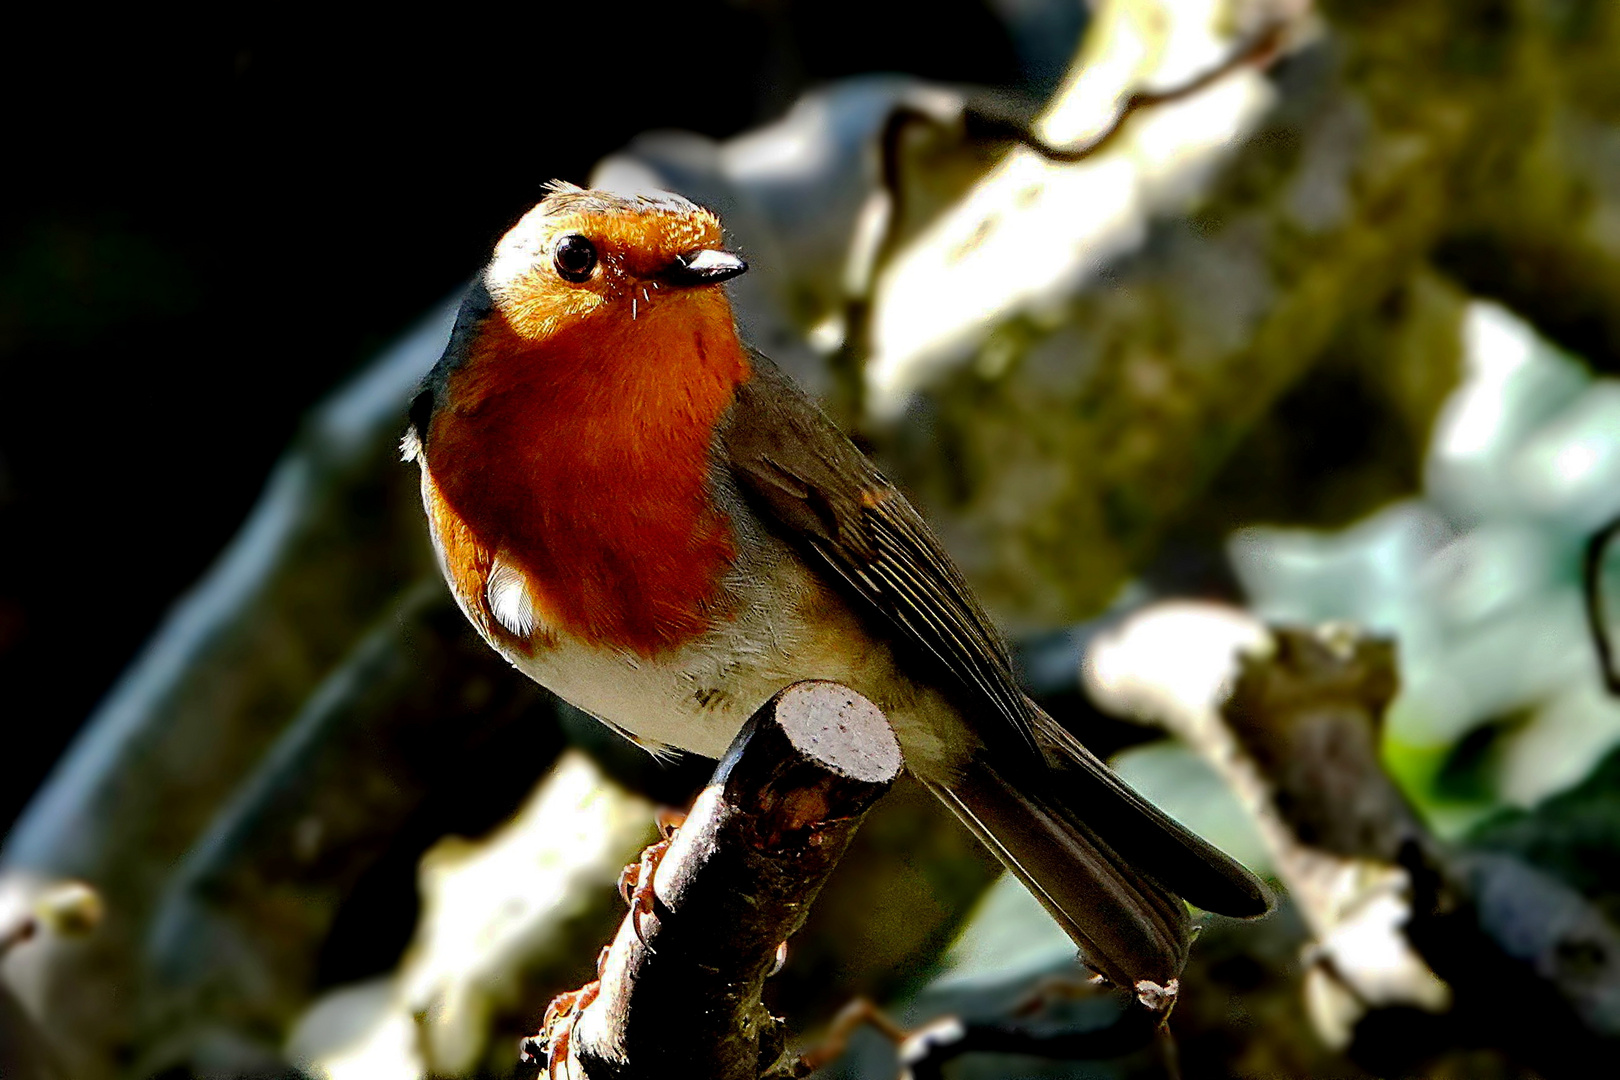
[[1499, 931], [679, 993]]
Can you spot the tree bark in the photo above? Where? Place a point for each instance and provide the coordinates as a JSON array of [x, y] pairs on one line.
[[680, 995]]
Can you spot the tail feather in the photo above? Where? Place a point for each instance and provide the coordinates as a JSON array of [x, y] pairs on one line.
[[1127, 926], [1144, 835], [1110, 867]]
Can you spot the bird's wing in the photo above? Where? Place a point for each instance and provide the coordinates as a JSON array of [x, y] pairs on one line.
[[795, 465], [802, 473]]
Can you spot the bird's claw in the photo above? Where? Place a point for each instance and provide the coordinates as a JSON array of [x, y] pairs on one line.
[[636, 879], [556, 1034], [669, 820], [636, 887], [555, 1037]]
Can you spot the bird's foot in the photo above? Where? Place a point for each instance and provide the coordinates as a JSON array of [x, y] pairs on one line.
[[636, 879], [554, 1040]]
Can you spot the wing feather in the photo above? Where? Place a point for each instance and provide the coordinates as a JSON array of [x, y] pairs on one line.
[[803, 474], [807, 475]]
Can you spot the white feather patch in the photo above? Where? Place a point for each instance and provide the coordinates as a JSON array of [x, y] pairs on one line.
[[509, 599], [410, 446]]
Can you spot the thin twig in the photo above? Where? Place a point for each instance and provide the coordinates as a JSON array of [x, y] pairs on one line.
[[925, 1051], [1592, 589], [860, 1012], [15, 935], [980, 125]]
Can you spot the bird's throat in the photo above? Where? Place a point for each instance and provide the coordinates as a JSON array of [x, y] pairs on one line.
[[586, 464]]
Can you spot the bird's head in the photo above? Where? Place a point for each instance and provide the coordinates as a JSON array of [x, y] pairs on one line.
[[591, 296], [600, 260]]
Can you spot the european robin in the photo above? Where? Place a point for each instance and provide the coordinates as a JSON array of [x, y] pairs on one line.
[[649, 518]]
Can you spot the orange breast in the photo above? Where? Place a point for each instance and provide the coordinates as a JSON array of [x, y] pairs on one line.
[[585, 461]]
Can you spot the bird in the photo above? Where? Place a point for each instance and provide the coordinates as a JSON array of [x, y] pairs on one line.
[[651, 519]]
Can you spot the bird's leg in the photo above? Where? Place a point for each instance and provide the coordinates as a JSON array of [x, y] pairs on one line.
[[556, 1033], [636, 879]]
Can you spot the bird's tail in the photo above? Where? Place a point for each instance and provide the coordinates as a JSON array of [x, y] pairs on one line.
[[1110, 867]]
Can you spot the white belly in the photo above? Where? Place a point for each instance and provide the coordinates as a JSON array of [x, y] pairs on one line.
[[698, 697]]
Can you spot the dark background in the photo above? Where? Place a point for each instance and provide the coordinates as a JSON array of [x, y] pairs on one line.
[[209, 227]]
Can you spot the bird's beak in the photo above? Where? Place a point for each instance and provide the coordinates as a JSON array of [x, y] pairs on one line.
[[705, 267]]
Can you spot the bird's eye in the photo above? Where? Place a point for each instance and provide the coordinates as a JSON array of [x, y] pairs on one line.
[[575, 257]]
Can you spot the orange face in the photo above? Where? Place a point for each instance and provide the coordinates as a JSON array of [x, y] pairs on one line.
[[574, 438], [623, 248]]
